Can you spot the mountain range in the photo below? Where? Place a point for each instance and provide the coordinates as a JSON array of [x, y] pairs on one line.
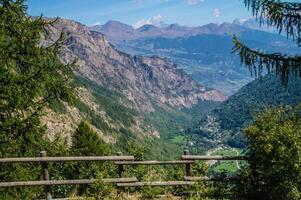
[[256, 24], [117, 32], [204, 52], [152, 99], [123, 96]]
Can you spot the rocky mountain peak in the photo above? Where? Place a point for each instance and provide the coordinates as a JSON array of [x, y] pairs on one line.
[[143, 80], [117, 31]]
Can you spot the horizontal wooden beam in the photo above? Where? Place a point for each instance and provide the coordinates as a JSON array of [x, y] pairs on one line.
[[64, 159], [156, 183], [198, 157], [155, 162], [66, 182], [74, 198], [216, 179], [120, 180]]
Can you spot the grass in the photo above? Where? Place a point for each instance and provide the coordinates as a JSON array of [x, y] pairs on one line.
[[179, 139], [227, 152], [226, 166]]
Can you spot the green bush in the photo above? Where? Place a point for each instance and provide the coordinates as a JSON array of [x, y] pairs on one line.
[[274, 170], [86, 142]]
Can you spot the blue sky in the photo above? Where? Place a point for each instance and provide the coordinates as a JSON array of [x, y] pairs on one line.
[[139, 12]]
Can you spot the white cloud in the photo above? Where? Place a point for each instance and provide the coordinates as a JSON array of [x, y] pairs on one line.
[[96, 24], [216, 12], [156, 21], [194, 2]]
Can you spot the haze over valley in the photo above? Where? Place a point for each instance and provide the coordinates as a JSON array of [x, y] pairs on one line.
[[203, 52]]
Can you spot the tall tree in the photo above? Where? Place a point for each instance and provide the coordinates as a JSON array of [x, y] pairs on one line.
[[286, 17], [30, 76]]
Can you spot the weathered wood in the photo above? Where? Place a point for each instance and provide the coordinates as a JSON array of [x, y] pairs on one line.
[[45, 175], [156, 183], [121, 161], [187, 166], [120, 167], [74, 198], [66, 182], [205, 178], [154, 162], [120, 180], [65, 159], [198, 157]]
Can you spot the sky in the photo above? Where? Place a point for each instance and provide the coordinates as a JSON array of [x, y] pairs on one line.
[[140, 12]]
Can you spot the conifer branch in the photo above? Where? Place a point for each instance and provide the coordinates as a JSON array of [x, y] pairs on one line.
[[257, 61], [285, 16]]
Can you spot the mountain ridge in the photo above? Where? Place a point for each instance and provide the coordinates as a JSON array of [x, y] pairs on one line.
[[117, 31], [122, 95], [114, 66], [205, 52]]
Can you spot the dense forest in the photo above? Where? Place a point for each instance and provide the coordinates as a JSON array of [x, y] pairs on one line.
[[242, 108]]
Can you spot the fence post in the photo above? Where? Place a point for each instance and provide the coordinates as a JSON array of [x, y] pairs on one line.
[[120, 167], [45, 175], [187, 165]]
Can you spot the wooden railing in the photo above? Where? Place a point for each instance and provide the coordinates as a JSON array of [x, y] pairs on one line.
[[119, 160]]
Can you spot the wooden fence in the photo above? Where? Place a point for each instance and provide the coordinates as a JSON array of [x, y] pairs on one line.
[[119, 160]]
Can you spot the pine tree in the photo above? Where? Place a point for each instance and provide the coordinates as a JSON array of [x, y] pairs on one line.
[[286, 17], [87, 142], [30, 76]]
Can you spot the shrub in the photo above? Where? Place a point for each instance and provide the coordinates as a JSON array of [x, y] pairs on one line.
[[274, 170]]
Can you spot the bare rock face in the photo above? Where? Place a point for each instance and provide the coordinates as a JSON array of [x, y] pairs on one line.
[[144, 80]]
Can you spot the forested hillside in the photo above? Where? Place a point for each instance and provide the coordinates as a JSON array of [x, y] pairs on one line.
[[226, 123]]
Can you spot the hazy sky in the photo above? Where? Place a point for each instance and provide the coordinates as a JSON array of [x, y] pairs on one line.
[[139, 12]]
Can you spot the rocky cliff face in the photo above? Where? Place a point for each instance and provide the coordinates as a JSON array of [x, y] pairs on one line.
[[205, 52], [144, 80]]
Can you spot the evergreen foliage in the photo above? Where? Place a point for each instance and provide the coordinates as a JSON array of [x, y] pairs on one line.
[[286, 17], [110, 102], [30, 76], [241, 109], [274, 167], [86, 142]]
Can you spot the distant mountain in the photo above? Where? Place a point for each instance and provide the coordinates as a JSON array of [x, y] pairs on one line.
[[138, 77], [255, 24], [115, 31], [124, 96], [204, 52], [118, 32], [225, 123], [208, 57]]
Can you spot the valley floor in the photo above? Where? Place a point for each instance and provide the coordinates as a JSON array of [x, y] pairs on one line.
[[224, 166]]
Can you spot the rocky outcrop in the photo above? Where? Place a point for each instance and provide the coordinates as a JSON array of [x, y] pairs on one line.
[[144, 80]]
